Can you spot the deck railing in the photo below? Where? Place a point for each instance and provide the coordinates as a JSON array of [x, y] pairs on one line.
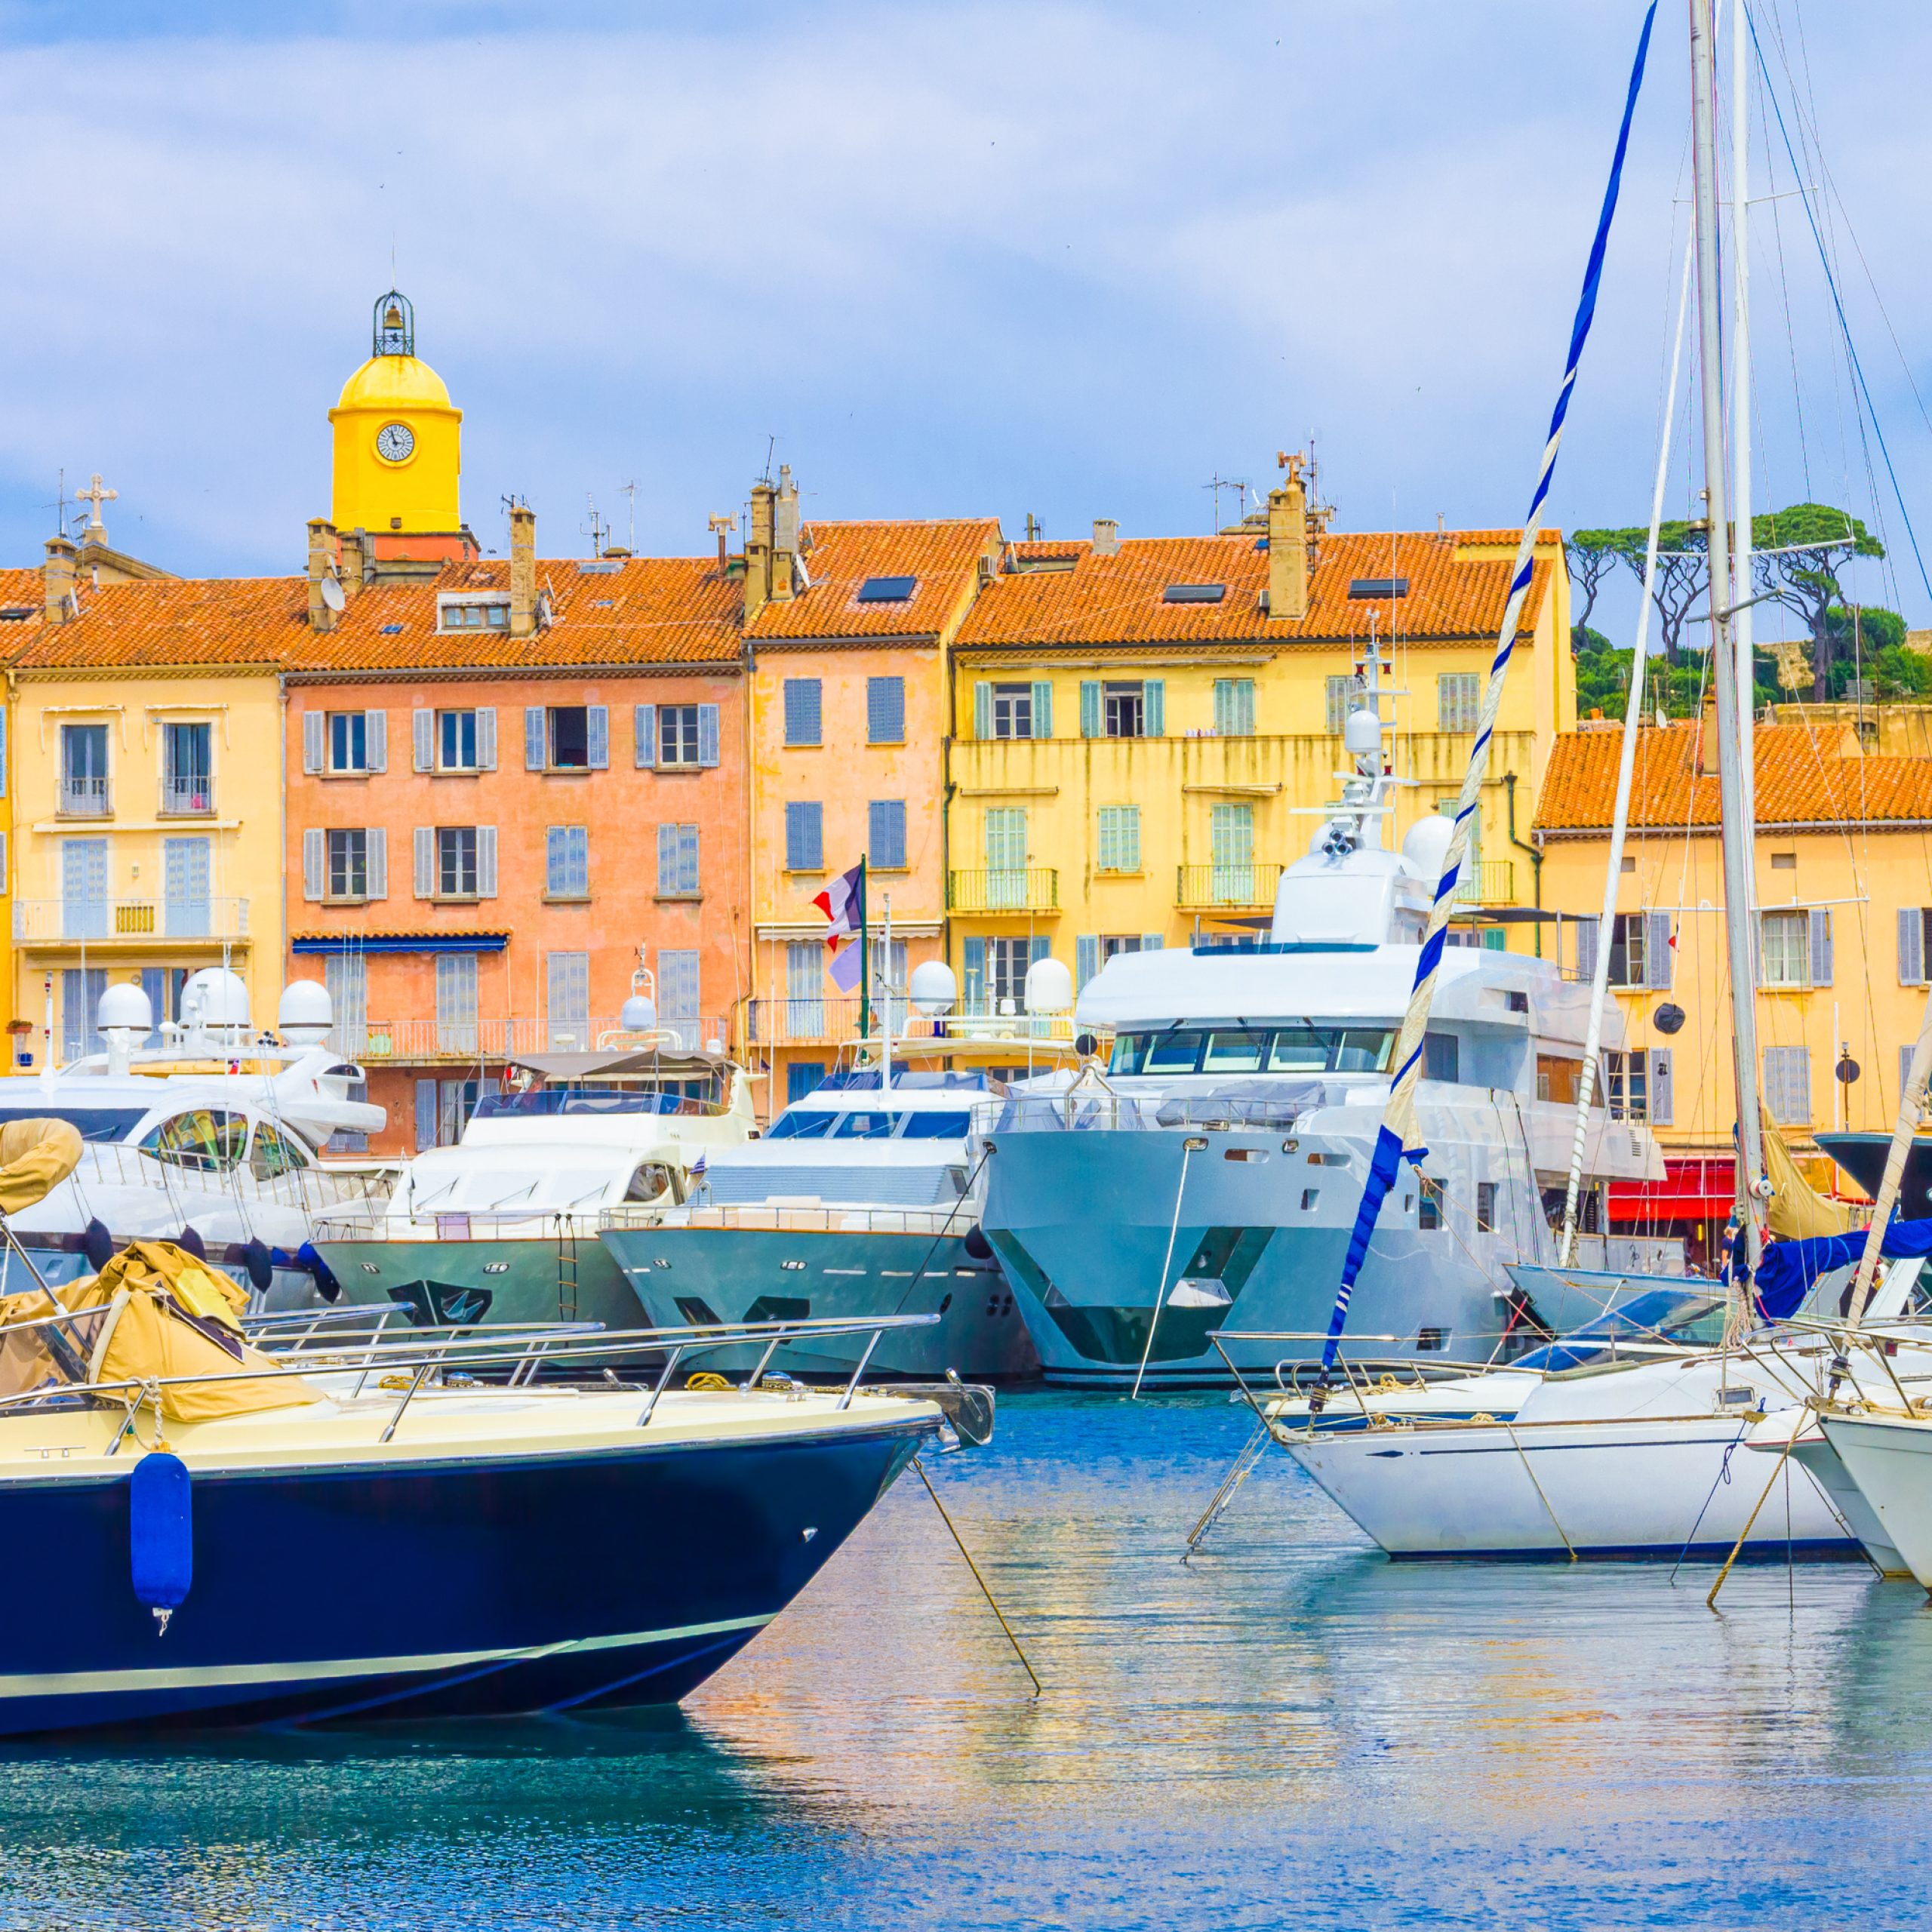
[[69, 921]]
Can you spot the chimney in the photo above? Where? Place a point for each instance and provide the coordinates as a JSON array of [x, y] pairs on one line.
[[58, 577], [523, 570], [1287, 546], [355, 562], [758, 545], [785, 535], [1106, 537], [321, 555]]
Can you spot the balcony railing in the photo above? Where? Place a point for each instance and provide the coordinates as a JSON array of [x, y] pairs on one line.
[[186, 797], [1489, 882], [72, 922], [1021, 889], [84, 798], [417, 1042], [1249, 884]]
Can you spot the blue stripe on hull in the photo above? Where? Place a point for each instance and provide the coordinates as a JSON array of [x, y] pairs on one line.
[[623, 1576], [1759, 1549]]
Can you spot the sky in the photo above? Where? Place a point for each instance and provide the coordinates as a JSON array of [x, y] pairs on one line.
[[1063, 260]]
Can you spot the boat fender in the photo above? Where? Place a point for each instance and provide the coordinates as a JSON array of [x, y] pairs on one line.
[[188, 1239], [161, 1534], [327, 1286], [255, 1257], [976, 1245], [97, 1244]]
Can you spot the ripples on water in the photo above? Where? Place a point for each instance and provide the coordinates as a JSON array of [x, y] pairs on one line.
[[1288, 1725]]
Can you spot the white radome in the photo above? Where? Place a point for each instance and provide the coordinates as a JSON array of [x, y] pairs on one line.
[[305, 1013], [125, 1008], [1049, 986], [932, 988]]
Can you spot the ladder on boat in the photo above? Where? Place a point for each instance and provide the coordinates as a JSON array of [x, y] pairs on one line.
[[566, 1268]]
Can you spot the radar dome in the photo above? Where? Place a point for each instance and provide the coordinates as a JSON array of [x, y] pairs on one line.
[[1361, 732], [1427, 845], [124, 1007], [1049, 986], [305, 1014], [638, 1015], [214, 997], [932, 988]]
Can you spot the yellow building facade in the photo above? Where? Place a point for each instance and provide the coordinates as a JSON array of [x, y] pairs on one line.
[[1144, 732], [1842, 876]]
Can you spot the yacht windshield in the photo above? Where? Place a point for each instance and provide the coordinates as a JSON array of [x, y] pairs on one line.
[[1693, 1317], [802, 1124], [937, 1127], [865, 1124], [1308, 1048]]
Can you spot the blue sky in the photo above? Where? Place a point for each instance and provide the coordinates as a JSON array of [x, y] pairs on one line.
[[984, 259]]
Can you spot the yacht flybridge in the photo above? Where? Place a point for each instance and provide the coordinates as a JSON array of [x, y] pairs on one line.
[[1208, 1180]]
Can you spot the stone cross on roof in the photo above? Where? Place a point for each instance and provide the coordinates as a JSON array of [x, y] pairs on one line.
[[94, 496]]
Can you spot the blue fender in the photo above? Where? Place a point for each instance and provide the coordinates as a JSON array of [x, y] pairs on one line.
[[160, 1533]]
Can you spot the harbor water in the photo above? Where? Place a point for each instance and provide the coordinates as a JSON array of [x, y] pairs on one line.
[[1287, 1727]]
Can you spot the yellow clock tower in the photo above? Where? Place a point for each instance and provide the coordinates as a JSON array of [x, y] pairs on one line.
[[399, 447]]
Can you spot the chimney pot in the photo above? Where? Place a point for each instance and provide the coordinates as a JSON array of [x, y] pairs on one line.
[[57, 581], [321, 559], [1288, 548], [1106, 537], [523, 570]]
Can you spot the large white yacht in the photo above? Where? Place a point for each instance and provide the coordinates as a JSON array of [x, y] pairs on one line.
[[1208, 1180]]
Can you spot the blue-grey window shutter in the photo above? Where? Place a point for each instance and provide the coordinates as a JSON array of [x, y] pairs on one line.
[[1153, 707], [1657, 950], [425, 1115], [533, 746], [1090, 707], [975, 962], [1152, 942], [1039, 947], [983, 709], [805, 842], [1663, 1098], [886, 830], [645, 718], [1821, 946], [3, 759], [1911, 946], [687, 858], [667, 857], [885, 711], [1587, 945], [802, 711], [1086, 958], [707, 734], [1043, 707], [486, 862], [554, 862], [597, 734]]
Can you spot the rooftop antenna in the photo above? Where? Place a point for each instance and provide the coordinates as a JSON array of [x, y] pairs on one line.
[[629, 491], [1217, 483], [595, 530], [771, 451]]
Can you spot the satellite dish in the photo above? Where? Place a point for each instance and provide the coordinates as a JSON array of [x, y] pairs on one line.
[[332, 596]]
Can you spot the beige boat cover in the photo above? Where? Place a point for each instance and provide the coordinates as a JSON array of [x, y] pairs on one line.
[[1799, 1211], [163, 1312], [36, 1156]]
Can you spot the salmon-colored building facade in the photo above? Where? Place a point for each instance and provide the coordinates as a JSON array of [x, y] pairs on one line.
[[515, 796]]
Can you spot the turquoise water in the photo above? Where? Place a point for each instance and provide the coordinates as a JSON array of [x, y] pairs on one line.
[[1287, 1726]]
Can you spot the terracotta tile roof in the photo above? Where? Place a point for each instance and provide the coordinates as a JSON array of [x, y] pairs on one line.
[[944, 558], [173, 623], [21, 590], [643, 610], [1803, 778], [1118, 599]]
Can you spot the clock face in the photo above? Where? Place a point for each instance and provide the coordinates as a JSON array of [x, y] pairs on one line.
[[395, 442]]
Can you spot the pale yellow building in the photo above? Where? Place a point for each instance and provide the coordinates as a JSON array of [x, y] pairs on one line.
[[1144, 730], [1844, 885]]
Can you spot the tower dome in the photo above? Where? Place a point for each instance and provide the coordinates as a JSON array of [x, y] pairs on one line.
[[399, 440]]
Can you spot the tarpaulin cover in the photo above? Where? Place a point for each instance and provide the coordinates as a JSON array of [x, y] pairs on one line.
[[36, 1156], [1791, 1268], [1799, 1212]]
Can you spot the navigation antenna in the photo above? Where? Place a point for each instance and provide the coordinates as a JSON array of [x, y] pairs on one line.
[[596, 530], [1217, 483], [629, 491]]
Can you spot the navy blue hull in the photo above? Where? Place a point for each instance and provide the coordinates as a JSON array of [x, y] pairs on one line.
[[621, 1577]]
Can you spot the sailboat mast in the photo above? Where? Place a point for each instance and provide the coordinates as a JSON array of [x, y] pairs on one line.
[[1739, 838], [1742, 639]]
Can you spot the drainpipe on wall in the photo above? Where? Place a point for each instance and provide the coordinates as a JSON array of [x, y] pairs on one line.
[[1536, 856]]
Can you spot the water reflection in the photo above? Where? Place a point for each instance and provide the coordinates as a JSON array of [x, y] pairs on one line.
[[1287, 1719]]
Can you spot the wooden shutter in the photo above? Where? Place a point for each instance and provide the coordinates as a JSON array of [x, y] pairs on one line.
[[1911, 946], [974, 961], [1152, 942], [3, 754], [1090, 707], [644, 735], [1586, 926], [1154, 707], [1821, 946], [707, 736], [596, 737], [376, 861], [1086, 958], [486, 737], [486, 862], [1043, 707], [422, 738], [1662, 1095], [376, 734], [982, 709], [315, 737], [533, 746], [667, 859], [1657, 950], [314, 863], [555, 870], [425, 1115], [425, 862], [687, 859]]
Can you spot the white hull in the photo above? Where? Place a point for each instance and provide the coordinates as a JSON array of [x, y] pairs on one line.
[[1889, 1459]]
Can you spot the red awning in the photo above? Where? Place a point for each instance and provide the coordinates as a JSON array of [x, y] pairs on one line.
[[1691, 1189]]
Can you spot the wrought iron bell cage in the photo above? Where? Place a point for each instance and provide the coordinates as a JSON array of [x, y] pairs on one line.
[[395, 324]]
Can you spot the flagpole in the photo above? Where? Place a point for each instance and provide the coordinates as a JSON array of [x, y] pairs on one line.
[[865, 978]]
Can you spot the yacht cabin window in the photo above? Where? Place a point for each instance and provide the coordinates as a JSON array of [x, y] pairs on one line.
[[1302, 1049], [864, 1124], [207, 1138], [272, 1155]]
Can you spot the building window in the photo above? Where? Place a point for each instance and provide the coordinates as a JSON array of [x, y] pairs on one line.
[[804, 991], [1013, 711], [456, 862], [1120, 838], [1485, 1206], [1787, 1085], [1231, 846], [349, 741], [1340, 699], [1432, 1205], [567, 1001], [1628, 959], [1234, 707], [1625, 1088], [886, 828], [349, 865], [804, 836], [1458, 700], [187, 873], [347, 977], [1785, 949], [1125, 714], [803, 1077], [801, 711], [885, 711], [474, 614], [570, 738], [678, 1001], [456, 1002], [80, 991], [455, 741], [567, 862], [677, 862], [1007, 961], [84, 770], [677, 735], [187, 768]]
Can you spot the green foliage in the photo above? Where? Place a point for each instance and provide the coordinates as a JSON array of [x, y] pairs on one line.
[[1900, 675], [1813, 525], [1862, 631]]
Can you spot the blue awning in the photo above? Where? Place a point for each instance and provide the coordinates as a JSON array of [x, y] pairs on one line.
[[368, 942]]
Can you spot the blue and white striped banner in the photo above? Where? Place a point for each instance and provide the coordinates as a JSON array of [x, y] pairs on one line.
[[1397, 1136]]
